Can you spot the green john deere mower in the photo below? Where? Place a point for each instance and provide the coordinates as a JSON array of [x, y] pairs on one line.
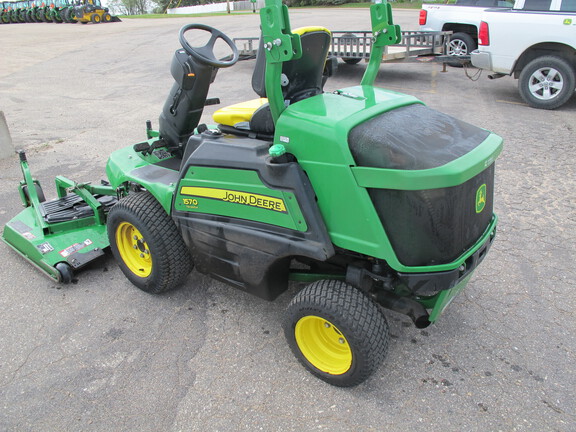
[[367, 195]]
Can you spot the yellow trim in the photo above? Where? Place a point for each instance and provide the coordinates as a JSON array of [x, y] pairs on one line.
[[309, 29], [240, 112], [323, 345], [254, 200], [133, 250]]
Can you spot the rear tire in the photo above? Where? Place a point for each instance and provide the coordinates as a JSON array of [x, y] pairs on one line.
[[547, 82], [461, 44], [96, 19], [336, 332], [147, 244]]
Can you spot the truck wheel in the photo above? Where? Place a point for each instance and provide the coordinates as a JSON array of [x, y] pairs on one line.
[[147, 244], [547, 82], [106, 17], [350, 40], [352, 61], [461, 44], [336, 332], [96, 19]]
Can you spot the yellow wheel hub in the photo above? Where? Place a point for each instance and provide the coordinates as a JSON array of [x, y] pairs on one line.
[[133, 249], [323, 345]]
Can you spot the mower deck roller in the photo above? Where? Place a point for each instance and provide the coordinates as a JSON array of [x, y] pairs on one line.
[[373, 198]]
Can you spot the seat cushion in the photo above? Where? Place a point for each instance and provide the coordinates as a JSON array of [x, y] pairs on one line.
[[237, 113]]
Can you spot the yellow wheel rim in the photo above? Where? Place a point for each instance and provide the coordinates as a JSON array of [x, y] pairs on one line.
[[323, 345], [133, 249]]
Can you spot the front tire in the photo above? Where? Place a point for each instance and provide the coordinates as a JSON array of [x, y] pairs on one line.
[[146, 244], [547, 82], [336, 332]]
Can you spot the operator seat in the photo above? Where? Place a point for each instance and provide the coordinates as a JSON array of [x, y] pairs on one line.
[[301, 78]]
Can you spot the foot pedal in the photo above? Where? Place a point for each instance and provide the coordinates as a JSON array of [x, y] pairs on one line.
[[72, 207], [141, 147]]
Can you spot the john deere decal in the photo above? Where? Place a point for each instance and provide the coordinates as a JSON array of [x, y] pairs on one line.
[[245, 198], [481, 198]]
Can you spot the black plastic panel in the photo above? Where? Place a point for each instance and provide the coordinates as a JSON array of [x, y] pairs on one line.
[[252, 256], [435, 226], [413, 137]]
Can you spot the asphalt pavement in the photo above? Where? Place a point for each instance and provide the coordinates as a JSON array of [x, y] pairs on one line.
[[100, 355]]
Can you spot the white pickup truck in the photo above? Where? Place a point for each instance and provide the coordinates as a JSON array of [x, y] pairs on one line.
[[536, 43], [461, 18]]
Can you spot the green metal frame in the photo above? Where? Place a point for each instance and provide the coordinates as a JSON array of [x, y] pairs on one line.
[[45, 244], [123, 163], [384, 32], [281, 45]]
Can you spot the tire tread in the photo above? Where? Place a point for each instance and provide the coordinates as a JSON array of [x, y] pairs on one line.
[[171, 257], [366, 326]]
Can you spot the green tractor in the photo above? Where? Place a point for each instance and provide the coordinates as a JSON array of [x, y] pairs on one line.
[[32, 12], [42, 12], [371, 198], [66, 10], [19, 12], [10, 15], [24, 10], [5, 12], [58, 10]]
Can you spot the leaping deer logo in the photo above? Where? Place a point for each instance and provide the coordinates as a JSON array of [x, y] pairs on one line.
[[481, 198]]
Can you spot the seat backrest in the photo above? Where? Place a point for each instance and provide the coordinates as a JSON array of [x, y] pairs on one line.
[[302, 77]]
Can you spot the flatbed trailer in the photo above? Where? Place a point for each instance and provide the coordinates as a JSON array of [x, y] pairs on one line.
[[355, 46]]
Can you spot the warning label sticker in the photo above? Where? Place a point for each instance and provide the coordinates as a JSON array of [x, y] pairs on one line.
[[44, 248], [75, 248]]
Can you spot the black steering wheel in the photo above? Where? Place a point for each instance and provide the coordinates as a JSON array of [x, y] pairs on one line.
[[205, 54]]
